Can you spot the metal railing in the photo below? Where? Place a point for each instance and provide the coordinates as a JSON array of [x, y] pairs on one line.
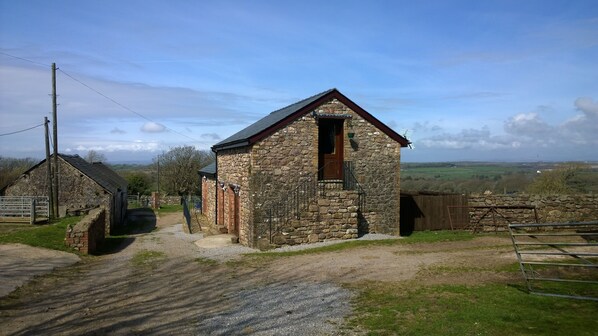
[[295, 202], [25, 208], [564, 253]]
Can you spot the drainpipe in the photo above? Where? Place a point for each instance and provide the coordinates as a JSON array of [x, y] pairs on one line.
[[216, 192]]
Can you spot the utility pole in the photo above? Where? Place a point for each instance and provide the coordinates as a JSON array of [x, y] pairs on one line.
[[49, 169], [55, 135]]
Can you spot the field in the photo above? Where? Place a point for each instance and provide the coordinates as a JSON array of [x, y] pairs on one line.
[[478, 177]]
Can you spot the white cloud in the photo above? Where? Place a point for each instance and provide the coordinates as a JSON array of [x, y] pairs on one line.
[[117, 130], [210, 136], [478, 139], [152, 127], [109, 148], [525, 131], [528, 125]]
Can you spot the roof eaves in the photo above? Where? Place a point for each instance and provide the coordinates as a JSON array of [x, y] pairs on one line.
[[231, 145]]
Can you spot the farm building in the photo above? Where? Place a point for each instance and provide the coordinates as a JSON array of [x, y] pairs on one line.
[[322, 168], [83, 186]]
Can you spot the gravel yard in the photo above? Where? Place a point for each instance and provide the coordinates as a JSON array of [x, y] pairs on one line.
[[182, 292]]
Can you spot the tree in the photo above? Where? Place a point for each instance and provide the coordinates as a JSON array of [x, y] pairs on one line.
[[139, 183], [11, 168], [178, 169], [561, 180], [93, 156]]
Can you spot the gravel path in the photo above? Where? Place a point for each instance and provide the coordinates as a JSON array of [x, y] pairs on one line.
[[108, 295], [235, 251], [296, 308]]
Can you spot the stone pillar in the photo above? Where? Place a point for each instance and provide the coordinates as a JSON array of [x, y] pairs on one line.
[[155, 200]]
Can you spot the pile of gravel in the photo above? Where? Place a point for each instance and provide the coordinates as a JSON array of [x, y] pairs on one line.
[[296, 308]]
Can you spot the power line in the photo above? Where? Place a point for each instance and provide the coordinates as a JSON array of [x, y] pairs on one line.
[[101, 94], [23, 130], [24, 59], [124, 107]]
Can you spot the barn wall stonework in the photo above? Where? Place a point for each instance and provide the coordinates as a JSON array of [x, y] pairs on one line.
[[376, 160], [271, 168], [77, 190], [208, 201], [233, 173]]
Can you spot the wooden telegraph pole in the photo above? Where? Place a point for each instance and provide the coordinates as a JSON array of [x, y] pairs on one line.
[[49, 169], [55, 135]]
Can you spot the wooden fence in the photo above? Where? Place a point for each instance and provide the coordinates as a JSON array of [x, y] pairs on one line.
[[430, 211], [28, 209]]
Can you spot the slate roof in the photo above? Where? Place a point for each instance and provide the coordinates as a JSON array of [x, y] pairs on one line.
[[209, 170], [111, 175], [282, 117], [97, 172], [241, 138]]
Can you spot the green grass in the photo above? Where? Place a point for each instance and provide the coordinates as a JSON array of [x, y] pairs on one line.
[[206, 261], [148, 259], [170, 208], [48, 236], [492, 309]]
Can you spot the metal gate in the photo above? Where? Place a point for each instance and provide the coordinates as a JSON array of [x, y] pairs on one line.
[[558, 259], [29, 209]]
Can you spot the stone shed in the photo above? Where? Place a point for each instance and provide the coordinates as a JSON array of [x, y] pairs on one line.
[[82, 186], [321, 168]]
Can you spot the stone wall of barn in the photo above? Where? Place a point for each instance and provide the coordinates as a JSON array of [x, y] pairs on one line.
[[77, 191], [208, 200], [234, 196], [376, 160], [332, 216]]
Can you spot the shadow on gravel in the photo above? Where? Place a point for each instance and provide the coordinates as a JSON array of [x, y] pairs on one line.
[[138, 221]]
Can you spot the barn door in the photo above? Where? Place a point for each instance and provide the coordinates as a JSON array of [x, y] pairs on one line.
[[330, 149]]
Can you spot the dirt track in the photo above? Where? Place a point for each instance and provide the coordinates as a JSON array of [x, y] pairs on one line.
[[108, 294]]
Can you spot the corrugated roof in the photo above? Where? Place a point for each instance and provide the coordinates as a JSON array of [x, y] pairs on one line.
[[241, 138]]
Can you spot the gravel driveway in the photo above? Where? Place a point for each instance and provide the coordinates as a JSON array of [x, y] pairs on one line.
[[181, 293]]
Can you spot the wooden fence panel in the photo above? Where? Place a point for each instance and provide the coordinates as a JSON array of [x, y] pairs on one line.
[[421, 212]]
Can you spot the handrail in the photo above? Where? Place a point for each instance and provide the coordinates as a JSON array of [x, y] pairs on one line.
[[279, 213]]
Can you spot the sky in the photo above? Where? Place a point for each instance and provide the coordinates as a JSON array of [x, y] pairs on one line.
[[462, 80]]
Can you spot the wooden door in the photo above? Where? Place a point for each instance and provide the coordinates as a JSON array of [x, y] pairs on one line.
[[330, 149]]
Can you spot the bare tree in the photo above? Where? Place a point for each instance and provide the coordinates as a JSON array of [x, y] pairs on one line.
[[93, 156], [178, 169]]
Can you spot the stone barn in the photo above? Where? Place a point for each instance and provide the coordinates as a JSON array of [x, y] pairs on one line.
[[82, 186], [321, 168]]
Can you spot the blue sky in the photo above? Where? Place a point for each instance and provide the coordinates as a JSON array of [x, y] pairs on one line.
[[464, 80]]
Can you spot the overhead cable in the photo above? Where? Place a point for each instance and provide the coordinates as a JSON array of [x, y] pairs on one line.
[[23, 130]]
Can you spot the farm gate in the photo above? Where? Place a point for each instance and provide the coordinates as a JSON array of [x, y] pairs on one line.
[[558, 259], [27, 209], [421, 211]]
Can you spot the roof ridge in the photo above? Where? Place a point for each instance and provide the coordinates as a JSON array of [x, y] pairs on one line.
[[303, 100]]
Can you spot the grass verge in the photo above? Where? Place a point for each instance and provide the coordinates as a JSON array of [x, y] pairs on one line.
[[169, 208], [147, 259], [49, 236], [491, 309], [415, 238]]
